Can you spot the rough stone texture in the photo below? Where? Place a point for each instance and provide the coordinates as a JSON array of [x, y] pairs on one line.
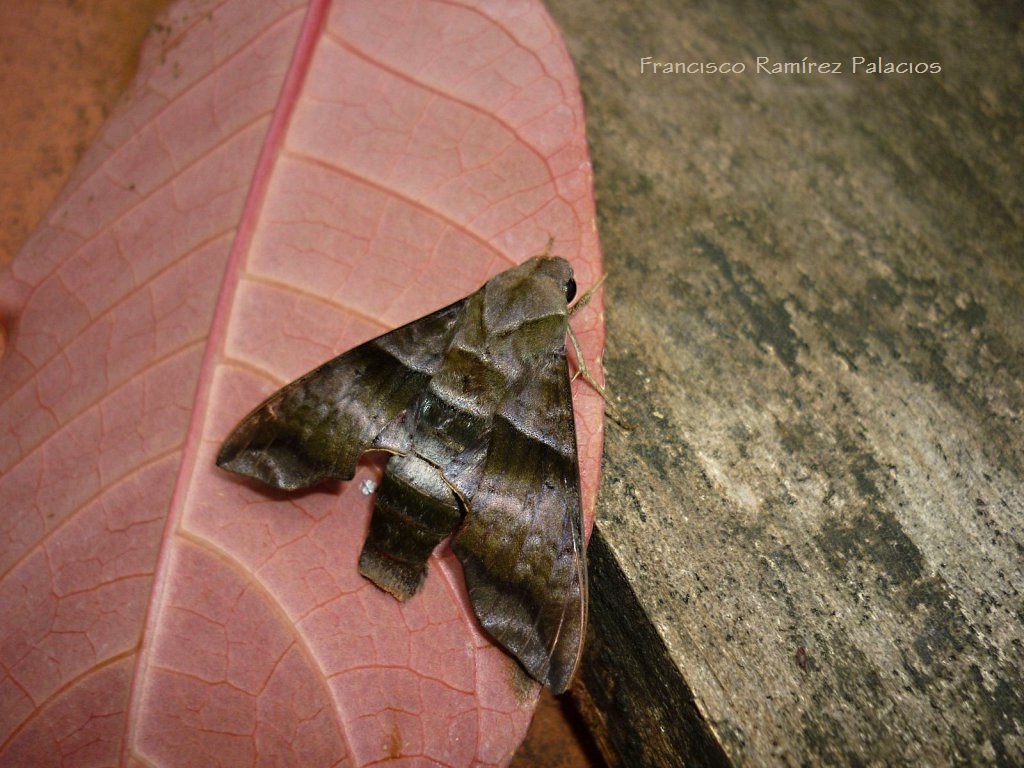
[[816, 330]]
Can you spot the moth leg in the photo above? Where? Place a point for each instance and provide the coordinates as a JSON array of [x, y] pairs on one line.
[[414, 512], [581, 363], [586, 297], [582, 371]]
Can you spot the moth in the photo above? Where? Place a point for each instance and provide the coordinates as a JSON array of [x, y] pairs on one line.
[[473, 403]]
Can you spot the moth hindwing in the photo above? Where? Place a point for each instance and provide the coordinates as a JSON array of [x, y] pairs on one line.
[[474, 403]]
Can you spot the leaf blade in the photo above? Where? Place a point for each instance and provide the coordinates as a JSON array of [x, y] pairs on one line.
[[114, 299]]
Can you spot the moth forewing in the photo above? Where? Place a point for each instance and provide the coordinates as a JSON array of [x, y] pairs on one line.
[[475, 401], [316, 427], [521, 542]]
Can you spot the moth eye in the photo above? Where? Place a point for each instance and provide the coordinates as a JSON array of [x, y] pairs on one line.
[[570, 289]]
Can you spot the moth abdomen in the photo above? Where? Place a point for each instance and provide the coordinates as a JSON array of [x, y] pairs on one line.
[[415, 511]]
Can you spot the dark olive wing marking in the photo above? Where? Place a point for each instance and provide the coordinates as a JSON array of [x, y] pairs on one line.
[[316, 427], [521, 543]]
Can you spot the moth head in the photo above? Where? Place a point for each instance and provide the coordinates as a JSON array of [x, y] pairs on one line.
[[537, 292], [556, 269]]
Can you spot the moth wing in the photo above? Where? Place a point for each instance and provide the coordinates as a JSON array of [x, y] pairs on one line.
[[317, 427], [521, 542]]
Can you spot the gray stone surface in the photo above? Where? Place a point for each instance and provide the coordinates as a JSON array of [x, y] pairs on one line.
[[816, 329]]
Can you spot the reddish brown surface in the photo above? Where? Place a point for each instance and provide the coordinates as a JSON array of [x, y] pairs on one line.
[[85, 378], [63, 67], [557, 738]]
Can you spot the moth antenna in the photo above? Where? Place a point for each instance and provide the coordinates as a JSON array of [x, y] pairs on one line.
[[547, 248]]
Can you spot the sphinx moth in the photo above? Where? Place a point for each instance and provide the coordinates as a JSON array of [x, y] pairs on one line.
[[473, 403]]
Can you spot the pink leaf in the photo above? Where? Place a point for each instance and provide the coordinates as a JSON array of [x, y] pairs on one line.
[[284, 181]]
